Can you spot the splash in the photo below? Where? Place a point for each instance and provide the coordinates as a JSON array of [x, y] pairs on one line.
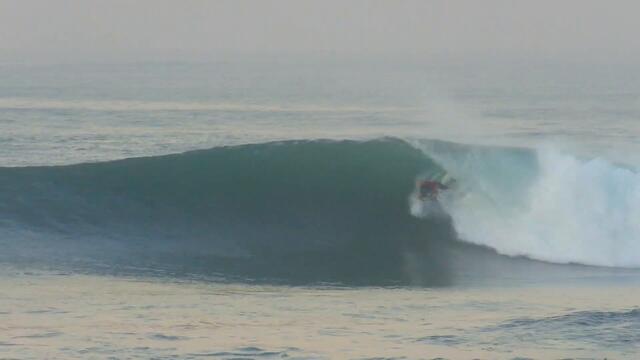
[[544, 204]]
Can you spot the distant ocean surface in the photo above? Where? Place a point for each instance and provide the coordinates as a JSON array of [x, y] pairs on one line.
[[250, 210]]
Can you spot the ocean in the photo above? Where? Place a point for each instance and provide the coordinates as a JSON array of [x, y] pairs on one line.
[[260, 210]]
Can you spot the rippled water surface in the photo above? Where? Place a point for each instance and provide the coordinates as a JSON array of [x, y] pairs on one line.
[[79, 316]]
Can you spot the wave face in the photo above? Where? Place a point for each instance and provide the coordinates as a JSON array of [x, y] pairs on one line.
[[325, 211], [299, 210], [543, 204]]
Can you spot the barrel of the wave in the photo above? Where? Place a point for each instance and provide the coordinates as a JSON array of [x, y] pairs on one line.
[[424, 201], [302, 211]]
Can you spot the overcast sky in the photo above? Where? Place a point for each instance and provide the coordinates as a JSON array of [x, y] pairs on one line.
[[78, 30]]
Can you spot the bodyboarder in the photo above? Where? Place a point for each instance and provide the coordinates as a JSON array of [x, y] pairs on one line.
[[429, 189]]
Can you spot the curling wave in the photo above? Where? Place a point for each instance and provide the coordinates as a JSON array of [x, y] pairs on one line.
[[544, 204], [299, 210], [327, 210]]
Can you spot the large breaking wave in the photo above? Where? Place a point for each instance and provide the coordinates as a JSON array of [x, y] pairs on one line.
[[325, 210], [544, 204]]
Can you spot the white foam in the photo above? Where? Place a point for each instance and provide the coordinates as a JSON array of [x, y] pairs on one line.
[[425, 208], [572, 211]]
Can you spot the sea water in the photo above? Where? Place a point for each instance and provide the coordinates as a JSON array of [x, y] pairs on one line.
[[264, 210]]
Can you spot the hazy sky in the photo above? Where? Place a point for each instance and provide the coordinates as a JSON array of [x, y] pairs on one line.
[[76, 30]]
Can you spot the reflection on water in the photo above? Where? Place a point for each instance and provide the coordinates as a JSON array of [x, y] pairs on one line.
[[79, 316]]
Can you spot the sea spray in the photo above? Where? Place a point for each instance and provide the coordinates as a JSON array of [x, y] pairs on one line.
[[544, 204]]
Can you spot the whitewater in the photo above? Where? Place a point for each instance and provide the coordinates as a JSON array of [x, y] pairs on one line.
[[545, 204]]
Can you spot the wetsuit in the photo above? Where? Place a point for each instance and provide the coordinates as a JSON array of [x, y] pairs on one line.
[[430, 189]]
